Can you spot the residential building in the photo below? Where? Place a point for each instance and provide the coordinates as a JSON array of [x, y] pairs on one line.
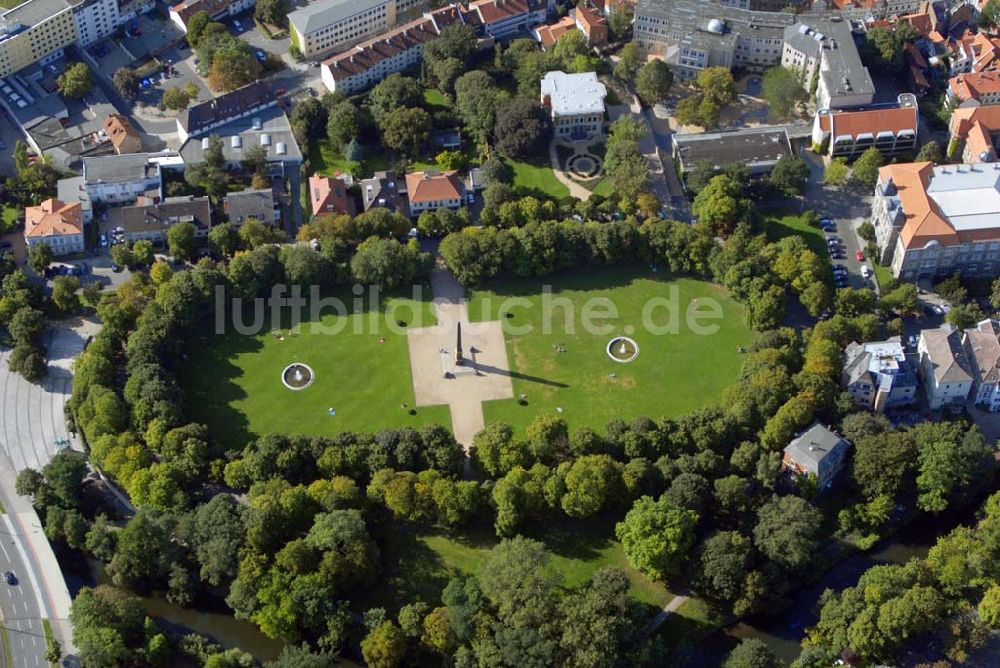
[[592, 24], [503, 19], [972, 90], [576, 103], [802, 50], [120, 179], [36, 31], [216, 9], [259, 204], [150, 220], [548, 34], [386, 190], [874, 8], [878, 375], [56, 223], [432, 190], [124, 137], [74, 190], [203, 118], [361, 67], [757, 148], [268, 128], [691, 35], [328, 195], [818, 453], [932, 221], [844, 81], [974, 132], [848, 134], [96, 20], [327, 25], [982, 349], [945, 370]]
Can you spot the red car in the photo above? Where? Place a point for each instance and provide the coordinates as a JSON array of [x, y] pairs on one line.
[[860, 256]]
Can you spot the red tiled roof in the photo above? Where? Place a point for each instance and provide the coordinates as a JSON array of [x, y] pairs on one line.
[[430, 187], [873, 121], [974, 86], [548, 34], [52, 218], [328, 195]]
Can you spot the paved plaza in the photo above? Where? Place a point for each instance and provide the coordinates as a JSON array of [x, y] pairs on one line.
[[484, 376]]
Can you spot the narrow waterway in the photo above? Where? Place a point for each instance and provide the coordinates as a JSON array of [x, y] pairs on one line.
[[221, 627], [783, 632]]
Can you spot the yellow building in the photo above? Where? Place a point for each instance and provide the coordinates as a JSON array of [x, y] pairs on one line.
[[33, 31]]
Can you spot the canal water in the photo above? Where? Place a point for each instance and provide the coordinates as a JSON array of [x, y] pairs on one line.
[[220, 626], [784, 632]]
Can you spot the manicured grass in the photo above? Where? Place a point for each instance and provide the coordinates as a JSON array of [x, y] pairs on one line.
[[534, 176], [604, 188], [675, 372], [8, 216], [233, 381], [324, 160], [882, 274], [10, 4], [779, 226], [424, 559], [692, 620], [435, 98]]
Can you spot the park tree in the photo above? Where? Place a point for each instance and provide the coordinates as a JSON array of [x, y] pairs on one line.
[[308, 119], [344, 124], [386, 263], [865, 171], [126, 81], [790, 175], [951, 466], [254, 161], [224, 239], [720, 205], [620, 23], [656, 536], [28, 360], [394, 92], [76, 81], [653, 82], [989, 15], [160, 273], [175, 99], [782, 88], [752, 653], [195, 27], [234, 65], [521, 127], [476, 100], [629, 62], [39, 256], [715, 90], [625, 165], [108, 626], [26, 325], [121, 255], [274, 12], [836, 173], [384, 646], [181, 241], [989, 607], [787, 531], [876, 453], [931, 151], [143, 252], [64, 293], [406, 130], [722, 564]]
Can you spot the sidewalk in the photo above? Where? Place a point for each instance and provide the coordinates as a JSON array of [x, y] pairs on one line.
[[53, 596]]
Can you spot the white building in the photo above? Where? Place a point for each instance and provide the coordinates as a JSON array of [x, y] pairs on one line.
[[944, 367], [335, 24], [982, 349], [96, 20], [120, 179], [576, 102]]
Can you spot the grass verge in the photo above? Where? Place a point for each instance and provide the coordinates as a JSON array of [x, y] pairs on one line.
[[534, 176]]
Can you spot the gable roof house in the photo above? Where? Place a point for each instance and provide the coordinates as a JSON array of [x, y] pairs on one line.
[[982, 349], [878, 375], [547, 35], [123, 136], [432, 190], [971, 90], [242, 205], [56, 223], [386, 190], [946, 372], [817, 452], [592, 24], [328, 195], [975, 130], [203, 118]]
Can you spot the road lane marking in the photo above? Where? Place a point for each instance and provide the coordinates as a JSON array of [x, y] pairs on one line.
[[27, 565]]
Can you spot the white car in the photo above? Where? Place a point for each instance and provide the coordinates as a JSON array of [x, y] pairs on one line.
[[865, 271]]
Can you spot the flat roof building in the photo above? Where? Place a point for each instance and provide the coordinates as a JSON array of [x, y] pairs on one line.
[[150, 220], [758, 148], [576, 103], [242, 205], [268, 129], [327, 25]]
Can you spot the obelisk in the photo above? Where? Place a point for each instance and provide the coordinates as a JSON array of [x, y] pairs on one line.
[[459, 360]]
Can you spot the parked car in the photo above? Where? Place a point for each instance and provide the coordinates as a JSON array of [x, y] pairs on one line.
[[104, 240], [865, 271], [115, 268], [238, 25], [859, 255], [261, 56], [912, 339]]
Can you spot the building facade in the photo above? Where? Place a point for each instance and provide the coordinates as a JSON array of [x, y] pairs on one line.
[[944, 368], [36, 31], [150, 220], [361, 67], [576, 104], [120, 179], [430, 191], [936, 220], [818, 453], [982, 349], [848, 134], [327, 25], [57, 224]]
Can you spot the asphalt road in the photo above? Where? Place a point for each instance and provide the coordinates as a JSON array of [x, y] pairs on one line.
[[19, 603]]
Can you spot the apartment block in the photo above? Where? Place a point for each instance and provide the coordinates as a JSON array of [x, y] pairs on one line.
[[96, 20], [55, 223], [120, 179], [848, 134], [182, 12], [936, 220], [36, 31], [364, 65], [972, 90], [329, 25], [946, 372], [982, 349]]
